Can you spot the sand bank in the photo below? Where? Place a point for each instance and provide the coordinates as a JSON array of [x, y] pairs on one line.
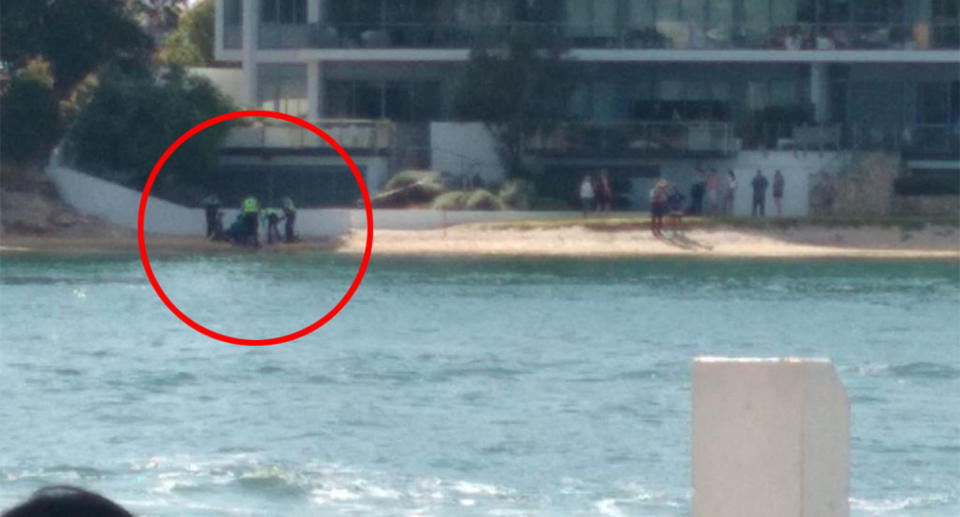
[[801, 241], [570, 240]]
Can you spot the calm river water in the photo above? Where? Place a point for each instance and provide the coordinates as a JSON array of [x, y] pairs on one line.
[[451, 386]]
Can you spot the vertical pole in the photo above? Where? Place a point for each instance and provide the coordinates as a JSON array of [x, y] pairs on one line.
[[313, 91], [251, 22]]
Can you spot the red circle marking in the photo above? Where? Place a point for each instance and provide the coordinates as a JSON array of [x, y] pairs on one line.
[[145, 196]]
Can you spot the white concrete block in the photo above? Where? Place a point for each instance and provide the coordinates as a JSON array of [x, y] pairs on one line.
[[770, 438]]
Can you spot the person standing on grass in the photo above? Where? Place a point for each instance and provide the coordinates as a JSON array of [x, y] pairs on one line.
[[778, 192], [759, 185], [731, 193], [586, 194], [658, 206]]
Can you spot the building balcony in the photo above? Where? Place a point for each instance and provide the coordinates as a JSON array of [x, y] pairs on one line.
[[664, 35], [356, 136], [635, 140]]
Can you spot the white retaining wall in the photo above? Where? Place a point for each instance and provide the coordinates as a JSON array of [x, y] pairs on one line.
[[120, 205], [770, 437], [425, 219]]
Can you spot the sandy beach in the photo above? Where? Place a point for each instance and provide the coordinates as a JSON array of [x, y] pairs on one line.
[[566, 239], [726, 242]]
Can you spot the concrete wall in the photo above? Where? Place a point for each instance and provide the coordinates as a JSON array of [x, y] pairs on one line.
[[465, 148], [425, 219], [770, 437], [120, 205]]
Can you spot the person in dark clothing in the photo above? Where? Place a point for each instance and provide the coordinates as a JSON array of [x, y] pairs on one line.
[[237, 233], [759, 185], [658, 206], [251, 215], [272, 217], [675, 202], [290, 215], [697, 191], [211, 207]]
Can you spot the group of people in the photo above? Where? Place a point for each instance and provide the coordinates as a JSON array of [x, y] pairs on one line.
[[710, 194], [713, 195], [596, 193], [245, 230]]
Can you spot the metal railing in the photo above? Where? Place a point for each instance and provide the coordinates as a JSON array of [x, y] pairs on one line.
[[364, 135], [662, 35], [635, 139], [937, 139]]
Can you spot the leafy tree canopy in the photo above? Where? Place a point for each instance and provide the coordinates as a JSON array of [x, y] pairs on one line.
[[517, 89], [191, 44], [75, 36], [133, 117], [31, 120]]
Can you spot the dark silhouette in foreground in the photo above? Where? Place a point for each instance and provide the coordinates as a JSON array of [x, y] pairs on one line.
[[63, 500]]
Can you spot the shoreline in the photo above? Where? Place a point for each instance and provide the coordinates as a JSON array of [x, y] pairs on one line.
[[574, 239]]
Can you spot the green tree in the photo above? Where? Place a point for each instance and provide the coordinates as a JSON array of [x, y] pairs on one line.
[[517, 89], [133, 117], [29, 119], [191, 44], [75, 36]]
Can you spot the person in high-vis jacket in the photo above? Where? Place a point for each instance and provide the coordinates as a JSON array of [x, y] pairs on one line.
[[251, 217], [290, 215]]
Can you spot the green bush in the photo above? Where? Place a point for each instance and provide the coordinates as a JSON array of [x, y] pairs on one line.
[[515, 193], [454, 200], [407, 178], [927, 185], [30, 116], [481, 199], [132, 118]]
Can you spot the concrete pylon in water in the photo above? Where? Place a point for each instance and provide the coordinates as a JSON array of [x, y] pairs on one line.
[[770, 437]]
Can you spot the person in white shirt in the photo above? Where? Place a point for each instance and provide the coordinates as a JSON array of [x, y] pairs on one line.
[[586, 194], [731, 193]]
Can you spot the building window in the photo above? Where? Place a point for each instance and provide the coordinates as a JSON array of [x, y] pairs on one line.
[[933, 103], [232, 12], [284, 12], [400, 101], [283, 88]]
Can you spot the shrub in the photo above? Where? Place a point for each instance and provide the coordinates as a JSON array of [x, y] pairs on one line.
[[454, 200], [927, 185], [481, 199], [515, 193], [133, 117], [30, 118], [407, 178]]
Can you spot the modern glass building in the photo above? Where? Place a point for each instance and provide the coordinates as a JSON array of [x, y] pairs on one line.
[[658, 78]]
